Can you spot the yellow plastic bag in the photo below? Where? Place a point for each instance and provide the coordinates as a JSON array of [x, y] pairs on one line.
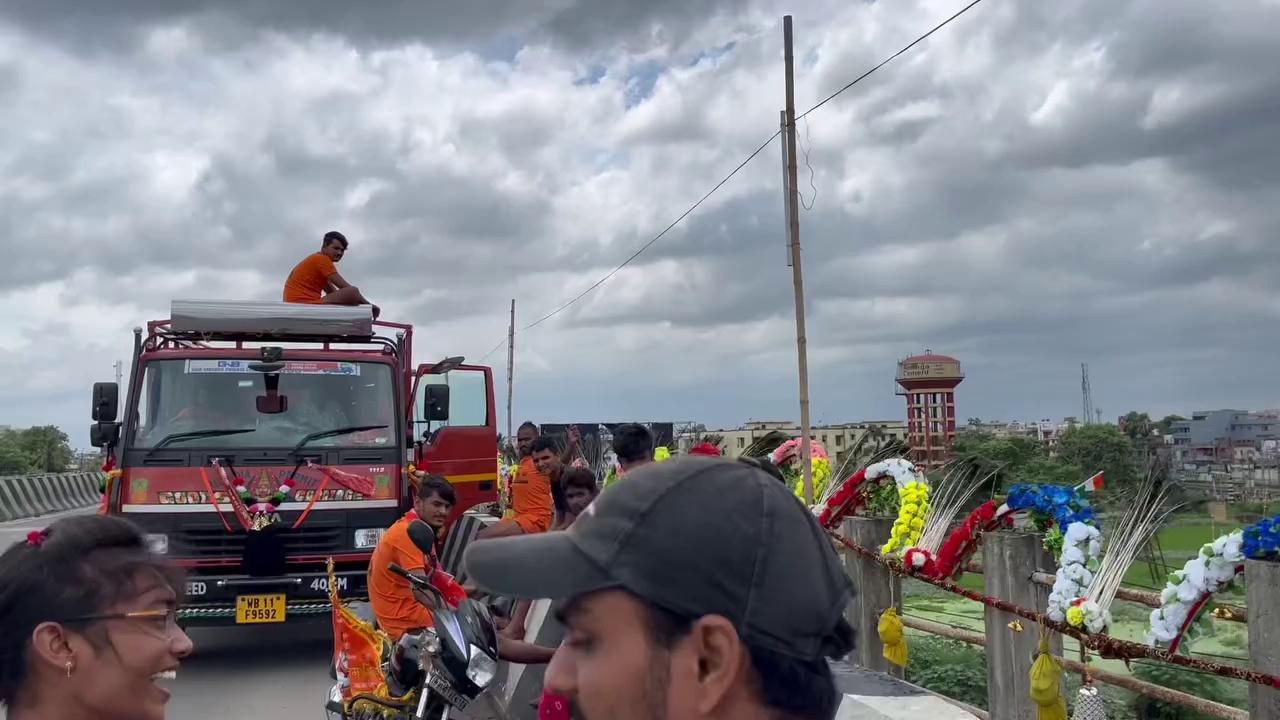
[[1046, 685], [890, 631]]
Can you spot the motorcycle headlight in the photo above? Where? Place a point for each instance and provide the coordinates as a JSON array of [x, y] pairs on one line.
[[482, 667]]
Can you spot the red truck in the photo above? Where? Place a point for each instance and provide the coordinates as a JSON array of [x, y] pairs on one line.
[[259, 439]]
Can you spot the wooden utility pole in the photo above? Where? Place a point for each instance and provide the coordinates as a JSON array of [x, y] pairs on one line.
[[797, 277], [511, 365]]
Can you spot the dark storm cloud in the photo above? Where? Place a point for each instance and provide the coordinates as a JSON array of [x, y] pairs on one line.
[[477, 24]]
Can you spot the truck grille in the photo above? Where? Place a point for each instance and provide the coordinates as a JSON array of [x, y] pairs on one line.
[[215, 543]]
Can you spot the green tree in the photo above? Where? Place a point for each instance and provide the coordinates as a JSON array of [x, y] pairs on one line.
[[1093, 448], [1166, 423], [13, 457], [48, 447], [1138, 425]]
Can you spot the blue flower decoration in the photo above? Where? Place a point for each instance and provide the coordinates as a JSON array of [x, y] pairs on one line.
[[1063, 504], [1262, 540]]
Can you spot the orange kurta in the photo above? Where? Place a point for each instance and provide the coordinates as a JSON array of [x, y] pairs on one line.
[[309, 279], [531, 498], [389, 594]]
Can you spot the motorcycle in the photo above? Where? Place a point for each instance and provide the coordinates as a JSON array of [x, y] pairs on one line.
[[429, 674]]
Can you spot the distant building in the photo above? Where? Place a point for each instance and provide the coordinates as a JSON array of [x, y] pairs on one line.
[[929, 383], [837, 439], [1217, 436]]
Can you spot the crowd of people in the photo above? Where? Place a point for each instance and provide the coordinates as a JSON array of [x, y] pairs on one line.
[[676, 587]]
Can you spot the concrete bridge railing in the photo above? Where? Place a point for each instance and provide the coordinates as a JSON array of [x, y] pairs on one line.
[[27, 496]]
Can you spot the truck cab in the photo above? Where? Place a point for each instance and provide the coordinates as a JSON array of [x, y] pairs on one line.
[[260, 439]]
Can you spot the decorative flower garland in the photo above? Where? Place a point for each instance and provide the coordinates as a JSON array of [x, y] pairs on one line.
[[1262, 541], [913, 497], [1078, 544], [962, 541], [844, 501], [110, 475], [787, 457], [1188, 590]]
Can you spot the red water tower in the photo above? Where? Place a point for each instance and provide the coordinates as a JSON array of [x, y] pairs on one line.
[[929, 382]]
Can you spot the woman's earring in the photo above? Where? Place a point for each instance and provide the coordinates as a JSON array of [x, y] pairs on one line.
[[70, 666]]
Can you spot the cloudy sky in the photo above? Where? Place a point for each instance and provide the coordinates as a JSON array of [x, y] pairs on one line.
[[1036, 186]]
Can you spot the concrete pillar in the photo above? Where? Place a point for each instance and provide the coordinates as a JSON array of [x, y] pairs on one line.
[[1262, 582], [1008, 561], [875, 590]]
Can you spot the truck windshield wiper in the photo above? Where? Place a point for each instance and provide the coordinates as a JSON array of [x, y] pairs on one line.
[[193, 434], [335, 433]]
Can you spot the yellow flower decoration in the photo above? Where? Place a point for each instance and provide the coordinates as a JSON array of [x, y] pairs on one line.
[[1075, 617], [913, 497], [821, 471]]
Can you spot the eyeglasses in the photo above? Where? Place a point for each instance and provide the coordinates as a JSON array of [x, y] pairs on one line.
[[164, 621]]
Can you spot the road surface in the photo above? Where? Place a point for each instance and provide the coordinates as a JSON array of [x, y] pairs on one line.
[[279, 672]]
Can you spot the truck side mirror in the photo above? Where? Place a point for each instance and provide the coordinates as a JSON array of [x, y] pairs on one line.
[[435, 403], [106, 401], [104, 434]]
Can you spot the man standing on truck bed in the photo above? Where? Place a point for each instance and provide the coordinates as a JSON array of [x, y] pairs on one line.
[[316, 281]]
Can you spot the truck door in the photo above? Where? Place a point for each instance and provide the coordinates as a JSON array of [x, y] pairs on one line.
[[460, 440]]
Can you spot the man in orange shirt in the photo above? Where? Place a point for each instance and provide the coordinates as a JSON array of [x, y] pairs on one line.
[[389, 594], [315, 280], [531, 491], [395, 604]]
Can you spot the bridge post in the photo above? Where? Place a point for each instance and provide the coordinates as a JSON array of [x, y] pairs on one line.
[[876, 589], [1262, 583], [1008, 561]]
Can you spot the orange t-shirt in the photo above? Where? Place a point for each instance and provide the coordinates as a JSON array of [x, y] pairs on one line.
[[531, 498], [309, 279], [389, 594]]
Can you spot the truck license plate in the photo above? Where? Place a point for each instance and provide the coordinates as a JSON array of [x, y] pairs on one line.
[[251, 609], [442, 686]]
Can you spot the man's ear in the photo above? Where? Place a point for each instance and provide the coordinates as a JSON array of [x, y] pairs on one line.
[[721, 658]]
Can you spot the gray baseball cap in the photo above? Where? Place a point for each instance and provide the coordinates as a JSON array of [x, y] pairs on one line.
[[695, 536]]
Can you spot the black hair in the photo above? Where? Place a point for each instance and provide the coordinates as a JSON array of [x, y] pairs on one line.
[[632, 443], [542, 442], [334, 236], [436, 485], [579, 478], [78, 567], [528, 424], [792, 688]]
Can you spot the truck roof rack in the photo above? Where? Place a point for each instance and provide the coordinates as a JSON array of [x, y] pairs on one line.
[[238, 319]]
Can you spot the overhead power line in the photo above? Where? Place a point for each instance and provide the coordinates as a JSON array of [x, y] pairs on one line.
[[734, 172]]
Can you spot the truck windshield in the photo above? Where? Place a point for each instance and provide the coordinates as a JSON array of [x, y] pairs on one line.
[[196, 397]]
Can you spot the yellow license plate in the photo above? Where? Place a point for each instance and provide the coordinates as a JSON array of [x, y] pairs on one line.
[[259, 609]]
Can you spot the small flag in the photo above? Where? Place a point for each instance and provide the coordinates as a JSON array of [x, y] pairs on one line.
[[1093, 484]]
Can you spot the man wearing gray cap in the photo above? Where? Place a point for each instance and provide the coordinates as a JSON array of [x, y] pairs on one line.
[[699, 588]]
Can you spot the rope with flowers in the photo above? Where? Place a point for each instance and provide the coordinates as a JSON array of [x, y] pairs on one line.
[[1189, 591]]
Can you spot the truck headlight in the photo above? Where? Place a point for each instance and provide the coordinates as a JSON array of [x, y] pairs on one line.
[[368, 538], [482, 668], [158, 543]]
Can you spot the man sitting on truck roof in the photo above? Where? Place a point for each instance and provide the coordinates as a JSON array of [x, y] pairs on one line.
[[315, 280]]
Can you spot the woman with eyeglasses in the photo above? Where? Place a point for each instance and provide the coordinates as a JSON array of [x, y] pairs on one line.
[[88, 624]]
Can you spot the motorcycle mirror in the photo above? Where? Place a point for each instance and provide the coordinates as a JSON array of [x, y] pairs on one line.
[[422, 537]]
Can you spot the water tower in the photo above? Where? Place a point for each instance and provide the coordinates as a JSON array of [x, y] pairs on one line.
[[929, 383]]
